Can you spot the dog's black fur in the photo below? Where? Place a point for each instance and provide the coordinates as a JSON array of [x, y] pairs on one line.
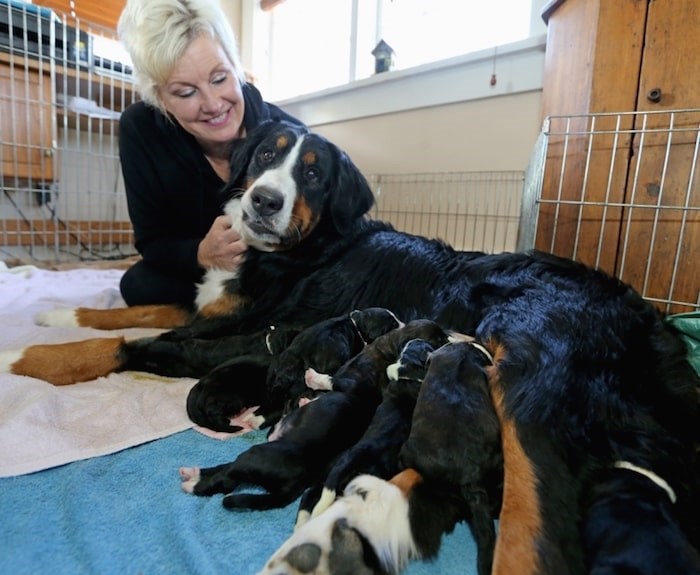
[[455, 440], [629, 527], [582, 361], [587, 372]]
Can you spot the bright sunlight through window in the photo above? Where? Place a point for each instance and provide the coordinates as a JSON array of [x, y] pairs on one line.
[[307, 57]]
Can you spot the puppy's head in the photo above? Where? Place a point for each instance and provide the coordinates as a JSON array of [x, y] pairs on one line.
[[285, 180], [367, 528], [374, 321], [412, 361]]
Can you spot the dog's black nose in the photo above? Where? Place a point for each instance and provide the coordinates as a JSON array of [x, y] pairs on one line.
[[266, 201]]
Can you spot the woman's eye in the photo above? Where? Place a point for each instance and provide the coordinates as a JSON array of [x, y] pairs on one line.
[[220, 79], [185, 94]]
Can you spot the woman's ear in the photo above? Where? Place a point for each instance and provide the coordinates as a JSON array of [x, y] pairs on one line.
[[351, 197]]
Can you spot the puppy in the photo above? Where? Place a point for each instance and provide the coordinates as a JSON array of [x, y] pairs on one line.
[[377, 452], [324, 346], [630, 525], [370, 530], [284, 468], [249, 392], [366, 372], [455, 438]]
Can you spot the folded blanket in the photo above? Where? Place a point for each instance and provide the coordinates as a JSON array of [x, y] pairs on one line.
[[43, 426]]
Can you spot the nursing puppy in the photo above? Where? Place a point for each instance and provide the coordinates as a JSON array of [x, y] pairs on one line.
[[322, 430], [324, 346], [247, 391], [377, 451], [455, 439], [376, 528], [284, 468], [366, 372]]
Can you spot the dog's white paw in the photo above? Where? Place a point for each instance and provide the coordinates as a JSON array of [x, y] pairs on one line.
[[8, 358], [318, 381], [190, 478], [57, 318]]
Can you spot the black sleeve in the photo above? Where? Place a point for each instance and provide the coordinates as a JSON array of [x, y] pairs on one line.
[[161, 191]]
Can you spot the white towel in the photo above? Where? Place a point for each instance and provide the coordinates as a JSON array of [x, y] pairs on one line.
[[43, 426]]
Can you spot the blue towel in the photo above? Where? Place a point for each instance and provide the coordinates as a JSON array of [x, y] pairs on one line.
[[126, 514]]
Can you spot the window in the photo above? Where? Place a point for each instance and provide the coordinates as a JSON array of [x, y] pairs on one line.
[[304, 56]]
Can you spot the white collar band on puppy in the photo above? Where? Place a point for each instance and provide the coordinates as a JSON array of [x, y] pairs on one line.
[[483, 350], [659, 481], [357, 329]]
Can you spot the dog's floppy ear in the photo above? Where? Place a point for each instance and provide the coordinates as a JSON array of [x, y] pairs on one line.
[[351, 198]]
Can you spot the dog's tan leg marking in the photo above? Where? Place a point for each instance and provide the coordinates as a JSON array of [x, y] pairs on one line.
[[406, 480], [66, 363], [163, 316], [519, 521], [225, 304]]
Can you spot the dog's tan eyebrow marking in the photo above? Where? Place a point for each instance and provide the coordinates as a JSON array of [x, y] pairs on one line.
[[282, 142], [309, 158]]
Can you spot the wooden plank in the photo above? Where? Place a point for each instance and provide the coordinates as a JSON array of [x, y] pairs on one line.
[[71, 233]]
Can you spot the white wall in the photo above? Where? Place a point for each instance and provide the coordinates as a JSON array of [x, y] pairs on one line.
[[438, 117]]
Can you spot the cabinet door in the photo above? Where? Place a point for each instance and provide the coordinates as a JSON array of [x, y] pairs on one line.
[[664, 171], [26, 123]]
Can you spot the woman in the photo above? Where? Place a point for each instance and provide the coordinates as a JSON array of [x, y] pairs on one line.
[[174, 144]]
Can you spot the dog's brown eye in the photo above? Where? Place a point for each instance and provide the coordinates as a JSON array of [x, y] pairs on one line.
[[312, 174], [266, 156]]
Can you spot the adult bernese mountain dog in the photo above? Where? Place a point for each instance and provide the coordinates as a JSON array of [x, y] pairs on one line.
[[587, 376]]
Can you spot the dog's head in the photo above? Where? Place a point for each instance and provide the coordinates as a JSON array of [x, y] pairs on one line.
[[285, 180], [366, 531]]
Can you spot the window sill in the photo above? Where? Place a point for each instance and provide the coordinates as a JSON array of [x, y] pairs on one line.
[[518, 66]]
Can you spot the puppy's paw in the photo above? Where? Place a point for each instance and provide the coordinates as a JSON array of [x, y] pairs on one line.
[[57, 318], [318, 381], [190, 477]]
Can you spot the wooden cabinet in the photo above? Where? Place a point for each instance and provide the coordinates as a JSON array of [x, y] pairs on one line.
[[26, 122], [622, 191]]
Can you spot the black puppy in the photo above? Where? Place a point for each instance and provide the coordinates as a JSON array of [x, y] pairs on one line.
[[322, 429], [237, 383], [324, 346], [455, 438], [250, 387], [377, 452], [366, 372], [630, 524]]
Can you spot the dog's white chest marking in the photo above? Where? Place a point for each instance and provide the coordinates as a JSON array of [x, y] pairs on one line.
[[213, 286]]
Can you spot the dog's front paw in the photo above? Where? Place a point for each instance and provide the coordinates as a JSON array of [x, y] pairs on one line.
[[190, 478], [57, 318]]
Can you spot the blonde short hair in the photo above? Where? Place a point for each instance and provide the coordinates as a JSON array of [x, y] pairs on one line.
[[157, 32]]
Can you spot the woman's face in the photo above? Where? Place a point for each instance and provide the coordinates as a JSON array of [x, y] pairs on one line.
[[204, 94]]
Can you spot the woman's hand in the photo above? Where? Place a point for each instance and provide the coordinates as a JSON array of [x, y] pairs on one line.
[[222, 247]]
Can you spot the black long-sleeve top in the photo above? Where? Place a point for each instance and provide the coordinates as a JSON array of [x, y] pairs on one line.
[[171, 189]]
